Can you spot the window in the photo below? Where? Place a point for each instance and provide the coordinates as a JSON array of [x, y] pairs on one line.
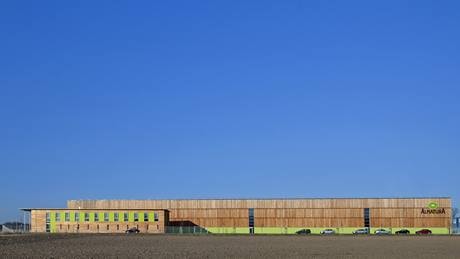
[[86, 216], [77, 216], [108, 227], [118, 227], [155, 216], [57, 216], [106, 216], [115, 216], [67, 217], [125, 217], [96, 217], [136, 216], [47, 224], [146, 216]]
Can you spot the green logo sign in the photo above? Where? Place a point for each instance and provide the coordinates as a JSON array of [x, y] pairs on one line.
[[433, 208], [433, 205]]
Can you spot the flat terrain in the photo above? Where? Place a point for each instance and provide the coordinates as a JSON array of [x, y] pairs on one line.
[[210, 246]]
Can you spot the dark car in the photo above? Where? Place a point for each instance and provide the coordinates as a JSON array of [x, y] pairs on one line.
[[132, 230], [423, 232], [303, 232], [403, 232]]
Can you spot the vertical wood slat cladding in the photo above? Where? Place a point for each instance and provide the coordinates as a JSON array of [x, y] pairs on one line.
[[309, 222], [410, 222], [403, 212], [38, 221], [280, 203], [107, 227]]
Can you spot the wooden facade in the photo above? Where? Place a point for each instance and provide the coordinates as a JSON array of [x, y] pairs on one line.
[[45, 220], [391, 212], [261, 203], [268, 215]]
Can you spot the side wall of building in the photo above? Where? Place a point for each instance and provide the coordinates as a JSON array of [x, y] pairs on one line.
[[288, 216], [97, 221]]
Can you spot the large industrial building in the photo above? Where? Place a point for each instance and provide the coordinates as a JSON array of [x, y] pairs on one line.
[[245, 216]]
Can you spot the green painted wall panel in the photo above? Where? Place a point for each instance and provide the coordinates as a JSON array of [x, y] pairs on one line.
[[280, 230], [293, 230], [131, 217], [141, 216], [52, 222], [438, 231], [227, 230], [151, 217]]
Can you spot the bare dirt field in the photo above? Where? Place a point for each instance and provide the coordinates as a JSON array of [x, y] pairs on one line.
[[213, 246]]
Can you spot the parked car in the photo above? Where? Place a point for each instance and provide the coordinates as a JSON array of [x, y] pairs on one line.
[[402, 232], [303, 232], [328, 231], [382, 231], [132, 230], [423, 232], [361, 231]]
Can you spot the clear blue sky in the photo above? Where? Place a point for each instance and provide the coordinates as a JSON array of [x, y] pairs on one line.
[[214, 99]]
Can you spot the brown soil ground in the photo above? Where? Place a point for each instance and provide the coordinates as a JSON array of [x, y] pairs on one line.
[[213, 246]]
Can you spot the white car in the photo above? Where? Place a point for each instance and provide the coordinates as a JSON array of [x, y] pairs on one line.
[[361, 231], [328, 231], [382, 231]]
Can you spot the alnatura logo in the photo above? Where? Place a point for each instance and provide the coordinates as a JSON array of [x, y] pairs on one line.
[[433, 205], [433, 208]]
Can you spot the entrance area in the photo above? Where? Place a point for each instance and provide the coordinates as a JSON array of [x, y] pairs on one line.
[[251, 220]]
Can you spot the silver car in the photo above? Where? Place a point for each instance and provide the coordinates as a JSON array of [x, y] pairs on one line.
[[382, 231], [361, 231], [328, 231]]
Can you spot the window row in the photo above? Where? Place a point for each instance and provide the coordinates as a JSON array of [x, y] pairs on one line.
[[105, 216], [108, 227]]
